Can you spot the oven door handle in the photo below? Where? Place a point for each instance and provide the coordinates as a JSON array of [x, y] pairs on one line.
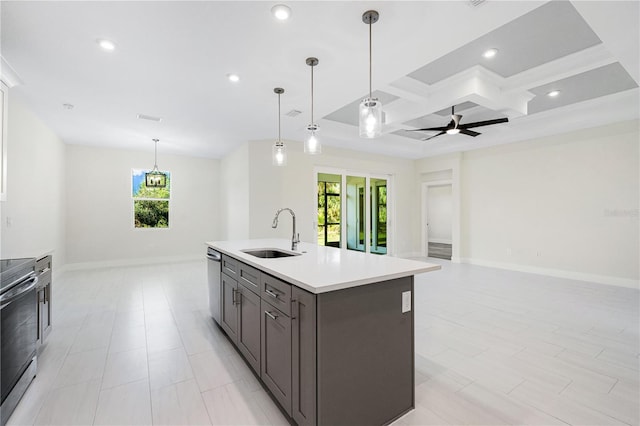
[[13, 294]]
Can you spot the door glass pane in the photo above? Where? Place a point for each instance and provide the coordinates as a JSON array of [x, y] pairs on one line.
[[329, 209], [378, 215], [356, 213]]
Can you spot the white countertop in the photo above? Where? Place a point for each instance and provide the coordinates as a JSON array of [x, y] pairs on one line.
[[320, 269]]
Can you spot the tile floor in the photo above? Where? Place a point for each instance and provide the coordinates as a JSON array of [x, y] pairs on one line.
[[135, 345]]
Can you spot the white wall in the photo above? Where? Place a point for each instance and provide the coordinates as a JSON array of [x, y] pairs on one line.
[[100, 214], [234, 194], [566, 205], [294, 186], [439, 213], [33, 220]]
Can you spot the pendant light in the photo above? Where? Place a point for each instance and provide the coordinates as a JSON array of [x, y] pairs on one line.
[[312, 144], [370, 108], [155, 178], [279, 151]]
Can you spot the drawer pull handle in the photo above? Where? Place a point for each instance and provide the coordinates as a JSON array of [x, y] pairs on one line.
[[271, 293], [270, 315], [47, 269]]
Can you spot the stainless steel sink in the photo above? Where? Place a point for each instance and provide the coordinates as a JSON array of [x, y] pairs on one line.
[[270, 253]]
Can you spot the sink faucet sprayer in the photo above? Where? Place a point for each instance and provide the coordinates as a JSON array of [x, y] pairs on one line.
[[295, 239]]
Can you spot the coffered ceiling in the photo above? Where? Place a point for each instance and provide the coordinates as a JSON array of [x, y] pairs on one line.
[[172, 60]]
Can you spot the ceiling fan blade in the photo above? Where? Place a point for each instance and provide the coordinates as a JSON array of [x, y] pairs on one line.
[[469, 132], [434, 136], [429, 129], [483, 123]]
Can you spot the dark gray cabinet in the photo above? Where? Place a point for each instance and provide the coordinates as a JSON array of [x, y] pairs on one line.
[[228, 308], [276, 354], [339, 357], [303, 357], [273, 325], [249, 326], [43, 294], [240, 318]]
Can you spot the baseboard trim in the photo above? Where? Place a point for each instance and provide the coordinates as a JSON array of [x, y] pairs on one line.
[[440, 241], [409, 254], [130, 262], [558, 273]]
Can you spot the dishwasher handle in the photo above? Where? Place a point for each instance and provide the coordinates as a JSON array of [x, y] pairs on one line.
[[16, 292], [214, 255]]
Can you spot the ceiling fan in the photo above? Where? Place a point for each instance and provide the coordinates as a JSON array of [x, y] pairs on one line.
[[454, 127]]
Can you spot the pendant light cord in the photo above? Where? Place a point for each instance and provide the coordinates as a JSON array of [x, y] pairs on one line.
[[370, 59], [312, 122], [155, 163], [279, 138]]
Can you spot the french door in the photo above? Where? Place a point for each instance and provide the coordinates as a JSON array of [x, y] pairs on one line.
[[352, 210]]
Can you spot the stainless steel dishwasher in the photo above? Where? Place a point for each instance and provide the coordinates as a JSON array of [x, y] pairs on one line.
[[213, 276]]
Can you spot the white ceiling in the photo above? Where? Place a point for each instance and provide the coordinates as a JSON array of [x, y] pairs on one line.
[[172, 59]]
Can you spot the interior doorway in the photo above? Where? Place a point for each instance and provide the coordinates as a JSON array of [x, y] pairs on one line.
[[437, 224]]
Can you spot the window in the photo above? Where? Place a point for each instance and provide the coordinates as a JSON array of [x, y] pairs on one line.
[[353, 211], [150, 205], [329, 210], [378, 216]]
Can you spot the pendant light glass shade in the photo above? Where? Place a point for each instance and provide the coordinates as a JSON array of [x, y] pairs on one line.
[[279, 151], [311, 143], [279, 154], [370, 118], [370, 121]]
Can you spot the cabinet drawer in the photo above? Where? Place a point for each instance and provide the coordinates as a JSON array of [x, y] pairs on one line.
[[229, 266], [249, 277], [276, 292], [43, 264], [44, 279]]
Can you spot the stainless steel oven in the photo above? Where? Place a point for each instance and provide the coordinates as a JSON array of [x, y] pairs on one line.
[[18, 331]]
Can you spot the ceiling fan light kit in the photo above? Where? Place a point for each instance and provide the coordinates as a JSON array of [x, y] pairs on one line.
[[370, 119], [454, 127]]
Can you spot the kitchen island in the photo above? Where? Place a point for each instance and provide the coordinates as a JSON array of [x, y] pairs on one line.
[[329, 331]]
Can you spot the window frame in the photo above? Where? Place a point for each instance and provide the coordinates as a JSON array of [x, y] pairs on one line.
[[144, 170]]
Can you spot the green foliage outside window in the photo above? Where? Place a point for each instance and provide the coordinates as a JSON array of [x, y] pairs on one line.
[[329, 213]]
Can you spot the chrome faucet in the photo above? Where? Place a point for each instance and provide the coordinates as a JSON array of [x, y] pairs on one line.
[[295, 239]]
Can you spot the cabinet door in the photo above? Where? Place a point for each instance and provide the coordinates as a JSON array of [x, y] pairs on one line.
[[276, 354], [46, 312], [249, 326], [303, 363], [228, 307], [40, 301]]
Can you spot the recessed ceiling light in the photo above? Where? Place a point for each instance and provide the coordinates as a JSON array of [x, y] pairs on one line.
[[281, 12], [106, 44], [553, 93], [233, 77], [490, 53]]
